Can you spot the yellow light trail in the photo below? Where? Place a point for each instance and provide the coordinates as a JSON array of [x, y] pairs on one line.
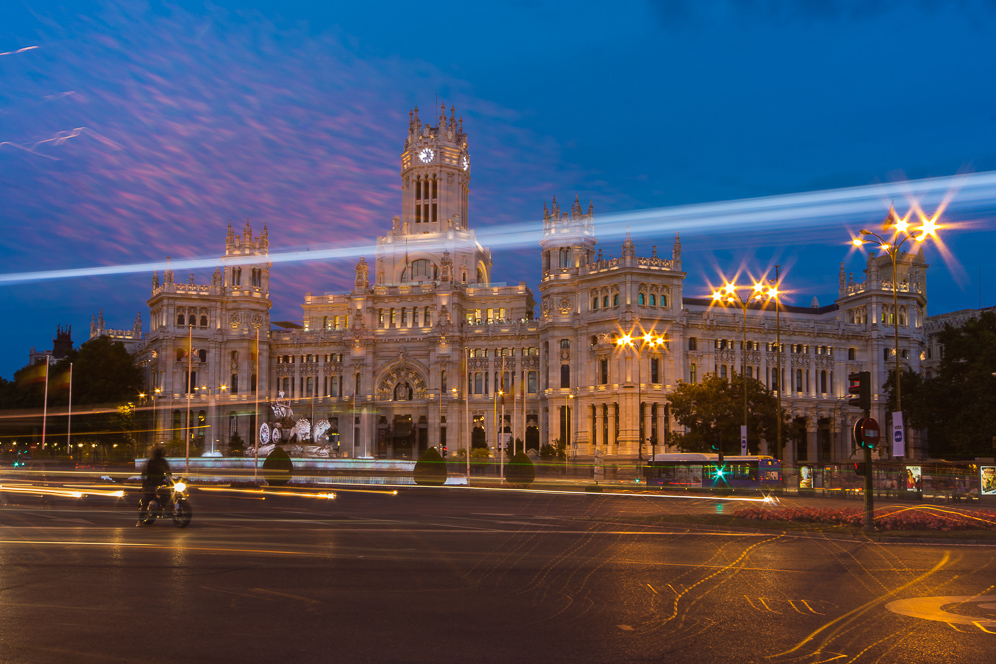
[[67, 493], [141, 545]]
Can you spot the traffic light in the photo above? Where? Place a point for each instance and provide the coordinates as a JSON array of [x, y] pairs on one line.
[[444, 451], [860, 468], [859, 386]]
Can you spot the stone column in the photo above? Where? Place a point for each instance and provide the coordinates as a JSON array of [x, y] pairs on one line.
[[812, 420], [613, 441]]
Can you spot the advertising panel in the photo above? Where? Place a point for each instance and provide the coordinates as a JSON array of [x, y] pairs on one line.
[[914, 481], [805, 477], [987, 480]]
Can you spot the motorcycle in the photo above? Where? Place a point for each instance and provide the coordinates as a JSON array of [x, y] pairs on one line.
[[175, 505]]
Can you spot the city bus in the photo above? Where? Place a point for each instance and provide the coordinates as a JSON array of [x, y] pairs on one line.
[[691, 469]]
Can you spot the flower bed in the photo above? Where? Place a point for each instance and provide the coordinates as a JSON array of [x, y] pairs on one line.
[[890, 518]]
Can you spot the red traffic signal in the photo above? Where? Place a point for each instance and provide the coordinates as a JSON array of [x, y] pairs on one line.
[[859, 387]]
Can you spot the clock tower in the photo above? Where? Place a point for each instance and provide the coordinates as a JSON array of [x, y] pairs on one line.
[[432, 241], [435, 175]]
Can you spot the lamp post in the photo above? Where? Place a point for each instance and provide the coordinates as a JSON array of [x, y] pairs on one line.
[[213, 408], [731, 295], [901, 232], [155, 422], [652, 341], [190, 359], [773, 295]]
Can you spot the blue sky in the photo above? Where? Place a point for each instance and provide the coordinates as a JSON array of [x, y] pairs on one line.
[[137, 130]]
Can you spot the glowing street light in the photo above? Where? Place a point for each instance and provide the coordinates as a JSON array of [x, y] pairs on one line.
[[648, 340], [900, 230], [732, 294]]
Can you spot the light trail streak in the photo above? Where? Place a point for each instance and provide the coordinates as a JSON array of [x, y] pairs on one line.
[[139, 545], [39, 491], [772, 213], [766, 499], [301, 494], [72, 492]]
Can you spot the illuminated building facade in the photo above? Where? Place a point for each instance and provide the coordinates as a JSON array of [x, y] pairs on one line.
[[415, 356]]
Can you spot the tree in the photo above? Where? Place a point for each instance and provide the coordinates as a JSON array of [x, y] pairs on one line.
[[520, 470], [957, 407], [712, 412], [235, 445], [430, 469], [105, 388]]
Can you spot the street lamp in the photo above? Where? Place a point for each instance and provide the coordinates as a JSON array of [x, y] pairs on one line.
[[773, 294], [155, 422], [647, 340], [731, 295], [901, 234]]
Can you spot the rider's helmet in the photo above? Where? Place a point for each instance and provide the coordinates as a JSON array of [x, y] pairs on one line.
[[158, 452]]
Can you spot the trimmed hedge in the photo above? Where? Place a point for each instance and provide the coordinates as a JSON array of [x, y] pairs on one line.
[[520, 470], [430, 469], [278, 467]]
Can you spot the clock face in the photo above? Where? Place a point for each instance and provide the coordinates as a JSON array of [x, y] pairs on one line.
[[466, 163], [425, 154]]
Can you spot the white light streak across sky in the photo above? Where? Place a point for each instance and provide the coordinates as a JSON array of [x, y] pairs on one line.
[[834, 208]]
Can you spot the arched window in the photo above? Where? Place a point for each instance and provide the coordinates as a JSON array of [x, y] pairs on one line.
[[693, 343], [204, 321], [692, 371], [565, 375], [202, 355], [653, 300], [179, 319], [605, 301], [664, 300], [594, 303], [640, 299], [615, 300], [420, 270]]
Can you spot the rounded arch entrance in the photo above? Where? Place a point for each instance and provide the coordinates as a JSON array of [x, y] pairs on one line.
[[404, 411]]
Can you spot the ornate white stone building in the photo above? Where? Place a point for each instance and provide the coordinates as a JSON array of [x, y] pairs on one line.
[[415, 358]]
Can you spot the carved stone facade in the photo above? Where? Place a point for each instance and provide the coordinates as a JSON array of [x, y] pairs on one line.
[[419, 357]]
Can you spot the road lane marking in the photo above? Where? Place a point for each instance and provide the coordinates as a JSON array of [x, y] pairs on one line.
[[847, 617], [929, 608]]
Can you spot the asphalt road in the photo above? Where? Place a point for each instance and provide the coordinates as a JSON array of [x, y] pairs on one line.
[[442, 575]]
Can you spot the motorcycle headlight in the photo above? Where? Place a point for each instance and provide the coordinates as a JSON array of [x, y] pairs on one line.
[[180, 487]]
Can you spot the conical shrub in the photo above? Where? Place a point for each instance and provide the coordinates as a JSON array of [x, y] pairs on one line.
[[277, 468], [430, 469], [520, 470]]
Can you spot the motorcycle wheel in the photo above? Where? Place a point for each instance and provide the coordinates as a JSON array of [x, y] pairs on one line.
[[182, 514]]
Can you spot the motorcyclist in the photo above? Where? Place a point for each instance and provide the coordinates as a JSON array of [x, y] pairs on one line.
[[154, 478]]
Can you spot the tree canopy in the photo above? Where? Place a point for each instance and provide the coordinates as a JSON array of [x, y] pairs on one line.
[[957, 406], [104, 377], [712, 412]]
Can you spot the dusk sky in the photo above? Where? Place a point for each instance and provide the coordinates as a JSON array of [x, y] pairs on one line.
[[132, 131]]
